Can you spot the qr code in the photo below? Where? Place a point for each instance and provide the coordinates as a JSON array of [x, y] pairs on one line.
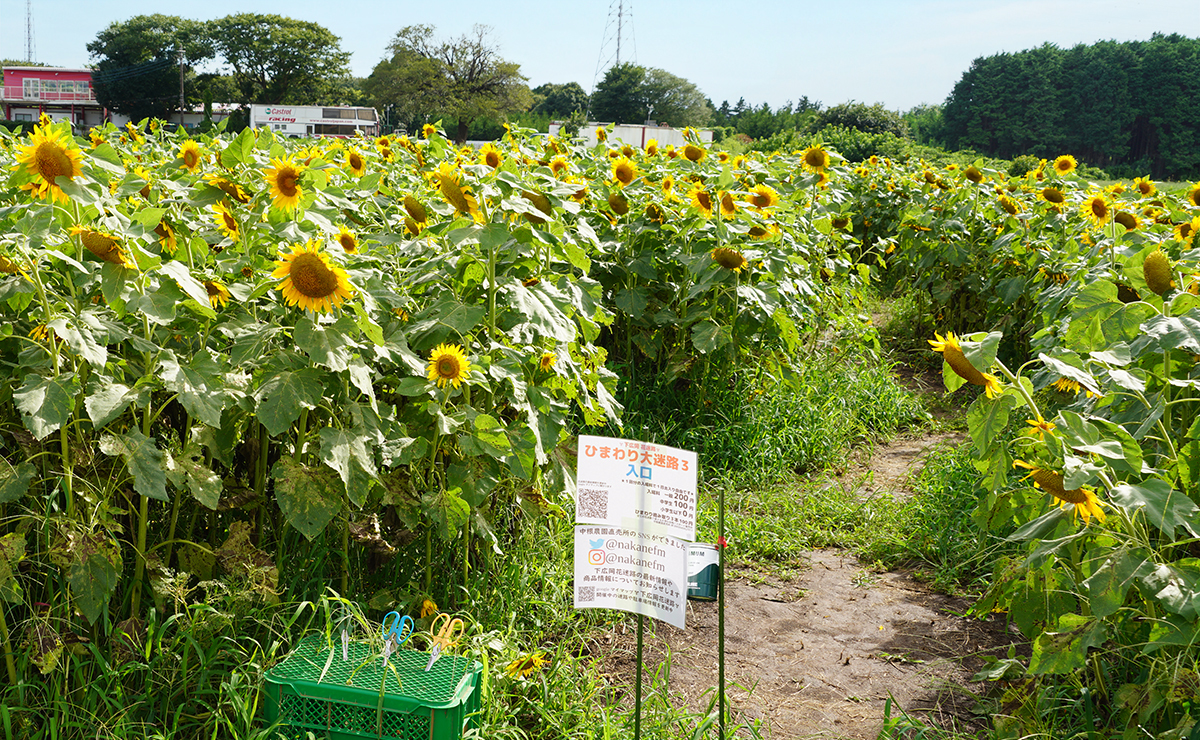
[[587, 593], [593, 503]]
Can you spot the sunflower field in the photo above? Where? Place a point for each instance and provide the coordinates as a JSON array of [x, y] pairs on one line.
[[250, 375]]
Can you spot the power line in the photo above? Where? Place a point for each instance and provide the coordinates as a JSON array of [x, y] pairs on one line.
[[125, 73]]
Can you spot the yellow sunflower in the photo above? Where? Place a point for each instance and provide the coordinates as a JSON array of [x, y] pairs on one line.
[[694, 153], [415, 210], [668, 188], [1039, 427], [1128, 220], [225, 221], [729, 259], [1066, 385], [1065, 164], [230, 188], [767, 231], [285, 190], [1145, 186], [701, 200], [428, 131], [1095, 208], [547, 360], [1193, 195], [218, 294], [815, 158], [624, 171], [50, 154], [104, 246], [347, 239], [1083, 500], [729, 207], [762, 197], [558, 165], [192, 155], [601, 133], [1053, 196], [166, 237], [457, 195], [95, 137], [310, 280], [651, 147], [525, 666], [1010, 206], [355, 163], [1186, 231], [953, 355], [490, 155], [448, 364], [429, 608]]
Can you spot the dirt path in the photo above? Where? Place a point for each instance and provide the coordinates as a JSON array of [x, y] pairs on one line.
[[818, 656]]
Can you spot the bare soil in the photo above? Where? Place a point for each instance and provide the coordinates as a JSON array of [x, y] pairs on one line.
[[816, 652]]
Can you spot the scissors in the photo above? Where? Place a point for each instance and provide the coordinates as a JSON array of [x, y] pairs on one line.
[[395, 635], [443, 637]]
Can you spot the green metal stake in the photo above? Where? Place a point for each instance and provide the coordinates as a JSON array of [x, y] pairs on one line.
[[721, 612], [637, 685]]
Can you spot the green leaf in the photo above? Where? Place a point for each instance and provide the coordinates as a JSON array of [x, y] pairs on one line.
[[1174, 587], [308, 497], [283, 395], [1041, 527], [191, 286], [1111, 581], [544, 310], [1172, 631], [14, 482], [367, 325], [987, 419], [632, 301], [327, 345], [80, 337], [106, 399], [12, 552], [238, 150], [1067, 370], [1163, 506], [360, 378], [1065, 649], [346, 452], [146, 463], [45, 403], [447, 511], [787, 329], [93, 574], [708, 337], [188, 472], [202, 400], [1175, 332], [487, 438]]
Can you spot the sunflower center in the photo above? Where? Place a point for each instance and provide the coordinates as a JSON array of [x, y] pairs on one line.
[[447, 367], [815, 159], [51, 161], [693, 152], [312, 277], [356, 162], [1052, 195], [760, 200], [230, 224], [190, 159], [212, 288], [287, 184], [347, 242], [704, 201], [1099, 209]]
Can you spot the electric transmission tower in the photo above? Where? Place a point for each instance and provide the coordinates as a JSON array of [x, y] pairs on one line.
[[29, 50], [618, 37]]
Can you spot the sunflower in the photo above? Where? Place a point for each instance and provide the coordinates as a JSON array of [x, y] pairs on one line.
[[1083, 500], [1193, 195], [840, 222], [768, 231], [285, 191], [651, 147], [347, 239], [694, 153], [815, 158], [95, 137], [1186, 231], [428, 131], [448, 364], [355, 163], [525, 666], [1039, 427], [310, 280], [618, 203], [218, 294], [1144, 186], [1010, 206], [8, 267], [1095, 208], [455, 194], [729, 259], [624, 171], [49, 155], [701, 200], [225, 221], [1127, 219], [953, 355], [729, 207], [546, 361], [166, 237], [601, 133], [762, 197], [103, 245], [1053, 196], [672, 152], [414, 209], [1065, 165], [973, 174], [490, 155], [191, 154], [429, 608], [230, 188], [558, 165], [668, 188]]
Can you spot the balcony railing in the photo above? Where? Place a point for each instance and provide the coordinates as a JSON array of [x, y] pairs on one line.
[[18, 92]]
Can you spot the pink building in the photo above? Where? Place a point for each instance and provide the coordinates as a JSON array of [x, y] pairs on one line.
[[62, 94]]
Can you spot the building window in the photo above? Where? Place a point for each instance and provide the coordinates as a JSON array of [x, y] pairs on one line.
[[23, 117], [31, 89]]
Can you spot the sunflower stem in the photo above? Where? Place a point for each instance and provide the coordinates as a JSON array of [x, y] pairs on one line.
[[8, 651]]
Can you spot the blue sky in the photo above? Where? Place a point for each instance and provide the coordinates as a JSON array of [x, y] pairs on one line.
[[897, 52]]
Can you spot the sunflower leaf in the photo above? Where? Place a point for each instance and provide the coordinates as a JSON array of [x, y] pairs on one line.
[[14, 482], [1163, 506], [195, 386], [708, 337], [188, 472], [308, 497], [447, 511], [544, 310], [327, 345], [348, 454], [45, 403], [194, 289], [283, 395], [106, 399], [80, 337], [93, 574], [147, 464]]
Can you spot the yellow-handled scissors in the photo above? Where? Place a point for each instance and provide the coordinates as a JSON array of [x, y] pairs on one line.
[[443, 636]]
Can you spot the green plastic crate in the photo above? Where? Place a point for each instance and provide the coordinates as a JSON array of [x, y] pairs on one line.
[[341, 700]]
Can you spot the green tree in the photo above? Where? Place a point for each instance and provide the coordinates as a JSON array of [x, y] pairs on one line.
[[870, 119], [137, 72], [279, 60], [673, 100], [462, 79], [925, 124], [559, 100], [619, 96]]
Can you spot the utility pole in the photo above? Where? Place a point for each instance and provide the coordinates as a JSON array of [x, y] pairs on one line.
[[179, 58]]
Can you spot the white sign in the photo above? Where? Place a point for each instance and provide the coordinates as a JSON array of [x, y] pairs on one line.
[[633, 571], [636, 485]]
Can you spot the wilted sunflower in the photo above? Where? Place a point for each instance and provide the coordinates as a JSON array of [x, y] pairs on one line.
[[429, 608], [285, 190], [953, 355], [1127, 219], [49, 155], [448, 364], [191, 155], [310, 280], [651, 147], [103, 245], [355, 163], [839, 222], [455, 193], [729, 259], [1083, 500], [490, 155], [624, 171], [694, 153], [546, 361], [762, 197], [166, 237], [1095, 208], [1053, 196], [701, 200], [8, 267], [218, 294], [728, 205], [232, 189], [525, 666], [1145, 186], [1065, 164], [815, 158], [225, 221], [347, 239]]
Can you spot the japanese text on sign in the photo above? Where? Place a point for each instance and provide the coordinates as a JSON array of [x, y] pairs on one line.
[[621, 480], [632, 571]]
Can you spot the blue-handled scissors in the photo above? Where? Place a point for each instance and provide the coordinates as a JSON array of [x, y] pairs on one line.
[[443, 637], [396, 634]]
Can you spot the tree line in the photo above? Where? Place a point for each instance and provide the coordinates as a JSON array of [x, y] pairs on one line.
[[1127, 107]]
